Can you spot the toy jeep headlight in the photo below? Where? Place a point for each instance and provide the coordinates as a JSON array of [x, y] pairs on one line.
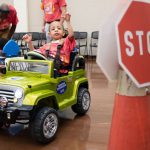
[[18, 94], [18, 97]]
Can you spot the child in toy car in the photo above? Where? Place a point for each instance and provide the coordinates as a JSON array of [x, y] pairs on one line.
[[56, 32]]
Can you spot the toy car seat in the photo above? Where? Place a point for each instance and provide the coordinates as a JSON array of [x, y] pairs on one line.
[[76, 61], [10, 49]]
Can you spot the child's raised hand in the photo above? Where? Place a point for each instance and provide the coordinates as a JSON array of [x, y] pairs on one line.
[[67, 17], [27, 38]]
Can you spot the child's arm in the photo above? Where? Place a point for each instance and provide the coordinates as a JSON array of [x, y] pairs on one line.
[[70, 29], [64, 10], [28, 39]]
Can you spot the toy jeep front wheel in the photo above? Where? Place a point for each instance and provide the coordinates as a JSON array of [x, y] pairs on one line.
[[83, 101], [45, 125]]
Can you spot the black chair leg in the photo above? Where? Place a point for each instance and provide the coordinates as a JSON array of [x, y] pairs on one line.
[[86, 52], [91, 54]]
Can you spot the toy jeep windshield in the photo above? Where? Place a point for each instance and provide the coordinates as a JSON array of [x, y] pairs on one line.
[[31, 92]]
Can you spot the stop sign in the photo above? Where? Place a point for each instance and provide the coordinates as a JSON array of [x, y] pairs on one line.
[[133, 33]]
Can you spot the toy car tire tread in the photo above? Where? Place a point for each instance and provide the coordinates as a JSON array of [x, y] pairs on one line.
[[38, 126], [79, 107]]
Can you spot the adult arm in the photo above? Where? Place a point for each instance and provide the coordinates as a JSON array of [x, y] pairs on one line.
[[14, 21], [11, 31]]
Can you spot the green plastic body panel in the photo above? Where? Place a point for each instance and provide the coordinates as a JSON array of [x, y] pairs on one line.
[[38, 86]]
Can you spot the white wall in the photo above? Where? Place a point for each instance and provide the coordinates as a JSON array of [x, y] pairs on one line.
[[6, 1], [87, 15], [22, 13], [35, 16]]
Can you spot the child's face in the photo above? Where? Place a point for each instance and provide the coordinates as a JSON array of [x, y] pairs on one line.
[[56, 30]]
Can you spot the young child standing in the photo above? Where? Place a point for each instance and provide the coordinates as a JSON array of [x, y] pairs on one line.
[[57, 32]]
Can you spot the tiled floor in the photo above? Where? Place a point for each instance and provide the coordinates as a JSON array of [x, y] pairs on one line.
[[90, 132]]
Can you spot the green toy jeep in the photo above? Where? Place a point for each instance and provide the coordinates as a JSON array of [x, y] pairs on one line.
[[31, 93]]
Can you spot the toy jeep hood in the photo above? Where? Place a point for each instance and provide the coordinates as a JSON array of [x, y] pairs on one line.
[[23, 81]]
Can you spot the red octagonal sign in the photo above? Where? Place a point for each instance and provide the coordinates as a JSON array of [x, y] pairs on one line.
[[133, 32]]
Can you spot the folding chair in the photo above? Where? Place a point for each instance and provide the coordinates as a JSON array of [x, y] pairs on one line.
[[83, 42], [94, 41], [36, 39], [77, 38], [43, 38], [16, 37], [22, 44]]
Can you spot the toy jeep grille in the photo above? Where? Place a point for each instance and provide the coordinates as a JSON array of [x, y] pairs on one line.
[[9, 94]]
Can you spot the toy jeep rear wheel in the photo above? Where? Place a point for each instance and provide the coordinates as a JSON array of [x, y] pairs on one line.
[[83, 101], [45, 125]]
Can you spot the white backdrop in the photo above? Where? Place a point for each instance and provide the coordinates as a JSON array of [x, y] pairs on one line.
[[6, 1], [87, 15]]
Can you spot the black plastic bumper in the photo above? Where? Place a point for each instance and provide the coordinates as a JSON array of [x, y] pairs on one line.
[[13, 114]]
